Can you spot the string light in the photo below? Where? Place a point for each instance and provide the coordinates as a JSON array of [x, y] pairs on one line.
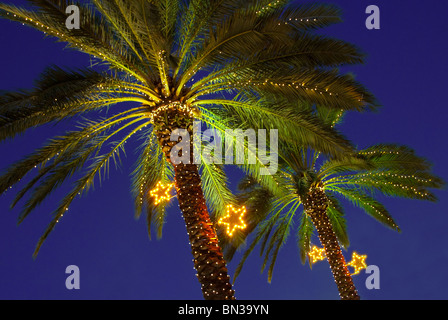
[[378, 152], [268, 6], [234, 219], [308, 89], [358, 263], [360, 178], [161, 192], [173, 105]]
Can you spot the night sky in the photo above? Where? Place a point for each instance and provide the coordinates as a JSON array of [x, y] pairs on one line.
[[406, 69]]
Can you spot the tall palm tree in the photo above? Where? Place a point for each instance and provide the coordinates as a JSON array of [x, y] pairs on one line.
[[173, 62], [315, 188]]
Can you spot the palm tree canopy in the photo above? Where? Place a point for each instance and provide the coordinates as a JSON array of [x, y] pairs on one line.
[[255, 57], [384, 169]]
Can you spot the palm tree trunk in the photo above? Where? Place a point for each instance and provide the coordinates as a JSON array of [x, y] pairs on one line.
[[208, 257], [315, 206]]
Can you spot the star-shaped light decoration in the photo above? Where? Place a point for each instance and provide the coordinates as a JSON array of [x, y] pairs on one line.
[[161, 192], [358, 263], [316, 254], [234, 219]]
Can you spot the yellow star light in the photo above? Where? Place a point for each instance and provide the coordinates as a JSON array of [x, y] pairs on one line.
[[316, 254], [358, 263], [161, 192], [234, 219]]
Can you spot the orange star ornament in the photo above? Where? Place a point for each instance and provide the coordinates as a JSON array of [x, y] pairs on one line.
[[234, 219], [161, 192], [316, 254], [358, 262]]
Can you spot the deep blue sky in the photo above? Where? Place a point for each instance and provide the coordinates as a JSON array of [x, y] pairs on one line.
[[406, 70]]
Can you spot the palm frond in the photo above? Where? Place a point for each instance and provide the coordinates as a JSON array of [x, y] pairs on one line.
[[344, 165], [293, 126], [313, 86], [61, 94], [395, 171], [304, 235], [253, 163], [311, 16], [279, 238], [393, 156], [150, 168], [215, 186], [371, 206], [335, 212], [99, 167], [199, 16], [65, 167], [59, 149], [95, 37], [262, 232], [168, 11]]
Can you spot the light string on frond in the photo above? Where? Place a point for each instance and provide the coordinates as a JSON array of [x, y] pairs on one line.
[[364, 179], [84, 184]]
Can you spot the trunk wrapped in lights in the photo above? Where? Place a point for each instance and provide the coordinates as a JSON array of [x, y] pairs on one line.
[[208, 258], [316, 204]]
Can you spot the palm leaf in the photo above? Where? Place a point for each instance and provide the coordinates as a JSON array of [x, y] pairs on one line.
[[99, 167], [335, 212], [304, 235], [371, 206]]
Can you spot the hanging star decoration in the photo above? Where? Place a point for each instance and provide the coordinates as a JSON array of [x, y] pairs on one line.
[[358, 263], [234, 219], [316, 254], [161, 192]]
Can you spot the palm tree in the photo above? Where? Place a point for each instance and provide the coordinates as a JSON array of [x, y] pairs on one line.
[[316, 187], [173, 62]]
